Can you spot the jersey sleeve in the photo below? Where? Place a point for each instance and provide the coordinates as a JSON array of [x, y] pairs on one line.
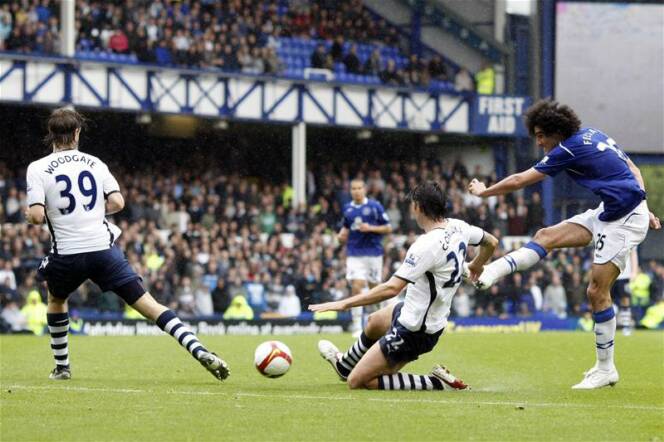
[[110, 184], [346, 222], [555, 161], [475, 235], [419, 259], [35, 190], [382, 217]]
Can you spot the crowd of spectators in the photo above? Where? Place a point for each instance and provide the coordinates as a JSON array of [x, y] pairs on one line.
[[201, 239], [237, 35]]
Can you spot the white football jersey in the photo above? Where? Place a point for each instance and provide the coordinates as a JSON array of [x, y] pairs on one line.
[[73, 186], [433, 267]]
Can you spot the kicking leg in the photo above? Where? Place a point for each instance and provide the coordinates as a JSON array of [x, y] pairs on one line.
[[599, 294], [562, 235], [377, 325], [168, 321], [57, 317]]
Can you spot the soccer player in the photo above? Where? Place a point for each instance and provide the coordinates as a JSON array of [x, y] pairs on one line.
[[72, 192], [364, 224], [400, 333], [617, 225]]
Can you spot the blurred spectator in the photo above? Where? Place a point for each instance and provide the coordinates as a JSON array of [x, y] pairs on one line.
[[576, 294], [289, 305], [221, 297], [535, 216], [320, 59], [374, 64], [352, 61], [337, 49], [437, 70], [13, 316], [461, 303], [486, 80], [7, 276], [34, 312], [640, 288], [463, 82], [555, 300], [391, 75], [239, 309], [119, 43], [203, 301], [273, 64], [654, 316]]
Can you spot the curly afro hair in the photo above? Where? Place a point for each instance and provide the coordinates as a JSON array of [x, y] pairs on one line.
[[552, 118]]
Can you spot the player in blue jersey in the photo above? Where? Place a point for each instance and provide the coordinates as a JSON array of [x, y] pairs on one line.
[[364, 224], [616, 226]]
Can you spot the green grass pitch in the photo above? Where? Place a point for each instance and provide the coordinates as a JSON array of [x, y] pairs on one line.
[[148, 388]]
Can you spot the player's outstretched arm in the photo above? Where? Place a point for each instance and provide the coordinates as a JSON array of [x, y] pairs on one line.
[[114, 203], [381, 292], [487, 247], [654, 221], [510, 184]]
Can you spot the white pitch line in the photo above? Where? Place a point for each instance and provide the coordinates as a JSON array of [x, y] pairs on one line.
[[341, 398]]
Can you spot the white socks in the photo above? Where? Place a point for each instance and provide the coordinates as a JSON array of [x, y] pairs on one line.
[[605, 333], [521, 259]]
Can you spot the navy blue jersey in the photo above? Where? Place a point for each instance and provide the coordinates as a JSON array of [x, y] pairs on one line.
[[594, 161], [370, 212]]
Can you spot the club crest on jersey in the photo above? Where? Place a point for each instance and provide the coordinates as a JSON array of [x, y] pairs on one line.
[[366, 211], [412, 259]]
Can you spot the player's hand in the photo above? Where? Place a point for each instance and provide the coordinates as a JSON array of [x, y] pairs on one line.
[[476, 187], [364, 228], [655, 224], [474, 271], [336, 306], [28, 217]]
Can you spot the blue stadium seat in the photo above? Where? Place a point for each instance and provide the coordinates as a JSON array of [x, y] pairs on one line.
[[342, 76]]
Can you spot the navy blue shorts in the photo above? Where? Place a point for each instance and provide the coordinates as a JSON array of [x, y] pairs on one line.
[[402, 345], [109, 269]]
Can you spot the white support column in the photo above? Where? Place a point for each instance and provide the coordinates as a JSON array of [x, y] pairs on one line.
[[299, 177], [67, 28]]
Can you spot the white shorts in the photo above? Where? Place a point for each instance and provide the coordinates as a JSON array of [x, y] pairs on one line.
[[614, 240], [365, 268]]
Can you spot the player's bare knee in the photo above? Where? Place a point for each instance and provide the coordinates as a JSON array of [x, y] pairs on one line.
[[355, 382], [371, 320], [594, 290], [54, 300], [375, 327]]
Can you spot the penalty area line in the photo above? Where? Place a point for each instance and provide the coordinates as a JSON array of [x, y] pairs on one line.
[[240, 394]]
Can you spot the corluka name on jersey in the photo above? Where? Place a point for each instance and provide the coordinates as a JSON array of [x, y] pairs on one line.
[[594, 161], [433, 266], [72, 186], [364, 243]]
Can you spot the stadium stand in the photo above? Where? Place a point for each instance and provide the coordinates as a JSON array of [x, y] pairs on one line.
[[200, 239], [259, 37]]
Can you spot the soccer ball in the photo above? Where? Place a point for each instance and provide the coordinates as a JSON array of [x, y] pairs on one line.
[[273, 359]]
